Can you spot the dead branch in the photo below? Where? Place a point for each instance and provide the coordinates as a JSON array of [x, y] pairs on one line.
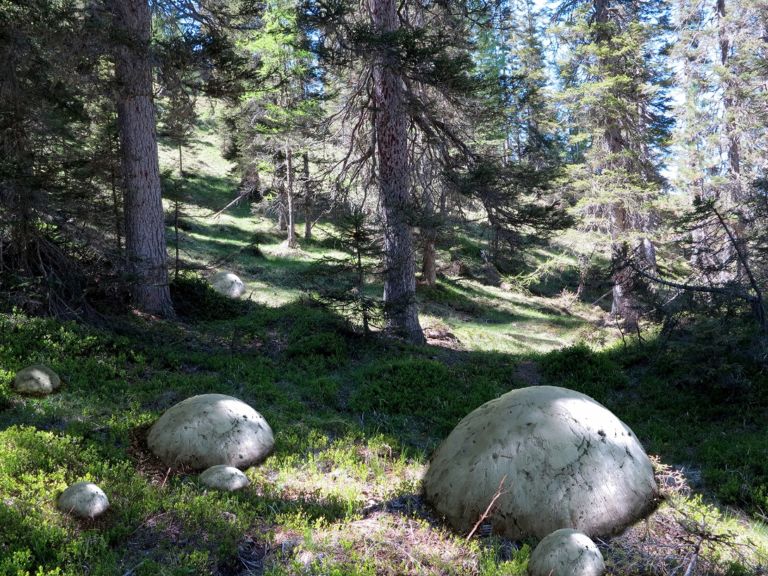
[[484, 515]]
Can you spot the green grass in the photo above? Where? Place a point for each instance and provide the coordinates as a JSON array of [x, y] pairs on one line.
[[355, 417]]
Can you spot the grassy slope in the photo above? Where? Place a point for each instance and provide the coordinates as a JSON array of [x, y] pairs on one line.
[[355, 420]]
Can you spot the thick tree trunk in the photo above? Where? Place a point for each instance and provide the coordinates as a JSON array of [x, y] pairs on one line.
[[289, 197], [308, 199], [144, 223], [402, 318], [624, 304]]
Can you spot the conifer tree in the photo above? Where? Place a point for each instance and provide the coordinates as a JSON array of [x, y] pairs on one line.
[[722, 131], [144, 220], [276, 119], [396, 65], [615, 87]]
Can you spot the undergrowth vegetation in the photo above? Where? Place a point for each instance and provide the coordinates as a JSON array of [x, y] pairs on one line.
[[355, 419]]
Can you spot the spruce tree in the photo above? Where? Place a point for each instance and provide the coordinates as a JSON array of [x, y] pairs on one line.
[[397, 71], [615, 87]]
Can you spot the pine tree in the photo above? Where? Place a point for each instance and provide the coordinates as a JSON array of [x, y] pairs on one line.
[[403, 79], [722, 130], [144, 220], [517, 134], [276, 119], [46, 77], [615, 87]]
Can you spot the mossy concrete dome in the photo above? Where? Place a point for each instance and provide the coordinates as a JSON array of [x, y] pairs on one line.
[[566, 552], [566, 462], [225, 478], [36, 379], [210, 429], [228, 284], [83, 499]]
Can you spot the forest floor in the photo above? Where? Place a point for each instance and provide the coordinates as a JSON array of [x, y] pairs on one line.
[[356, 417]]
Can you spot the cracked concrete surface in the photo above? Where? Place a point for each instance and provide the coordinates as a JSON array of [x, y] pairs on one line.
[[568, 461]]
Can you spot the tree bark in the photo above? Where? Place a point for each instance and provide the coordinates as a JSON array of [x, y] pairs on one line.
[[400, 308], [289, 197], [145, 243], [308, 199], [429, 258]]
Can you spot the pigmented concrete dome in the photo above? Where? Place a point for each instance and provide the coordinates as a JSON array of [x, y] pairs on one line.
[[226, 478], [83, 499], [36, 379], [210, 429], [566, 462], [566, 552], [228, 284]]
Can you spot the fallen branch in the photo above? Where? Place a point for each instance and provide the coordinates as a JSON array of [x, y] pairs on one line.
[[484, 515]]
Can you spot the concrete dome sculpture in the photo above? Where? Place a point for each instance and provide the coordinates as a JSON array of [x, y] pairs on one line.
[[565, 460], [225, 478], [36, 379], [84, 500], [566, 552], [228, 284], [210, 429]]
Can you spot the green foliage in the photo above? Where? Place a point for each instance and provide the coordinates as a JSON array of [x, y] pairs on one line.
[[342, 283], [195, 299], [490, 565], [425, 391], [327, 349], [582, 369]]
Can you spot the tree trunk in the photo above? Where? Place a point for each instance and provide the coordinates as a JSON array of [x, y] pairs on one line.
[[289, 197], [177, 201], [429, 259], [401, 311], [116, 210], [144, 223], [308, 199], [282, 213], [624, 303]]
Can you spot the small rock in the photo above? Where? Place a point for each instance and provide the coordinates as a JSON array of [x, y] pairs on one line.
[[223, 477], [228, 284], [84, 500], [566, 552], [36, 379]]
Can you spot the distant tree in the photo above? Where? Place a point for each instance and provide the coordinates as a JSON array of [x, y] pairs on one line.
[[615, 82], [722, 131], [342, 283], [276, 119], [517, 133]]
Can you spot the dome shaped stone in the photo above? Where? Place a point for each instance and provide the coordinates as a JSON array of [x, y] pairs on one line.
[[562, 459], [210, 429], [84, 500], [566, 552], [222, 477], [36, 379], [228, 284]]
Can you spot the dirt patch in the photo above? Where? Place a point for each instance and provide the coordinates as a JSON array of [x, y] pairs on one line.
[[392, 544], [443, 337], [146, 463]]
